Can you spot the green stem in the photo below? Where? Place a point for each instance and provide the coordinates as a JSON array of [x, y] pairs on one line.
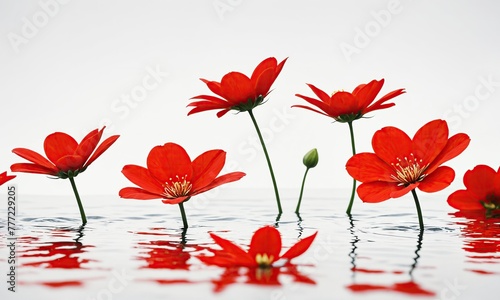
[[268, 161], [80, 206], [419, 211], [353, 193], [183, 214], [301, 191]]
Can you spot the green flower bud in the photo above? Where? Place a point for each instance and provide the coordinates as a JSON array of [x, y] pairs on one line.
[[311, 158]]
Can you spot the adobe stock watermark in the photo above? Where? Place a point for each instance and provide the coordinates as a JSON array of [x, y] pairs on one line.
[[222, 7], [364, 36], [485, 88], [122, 106], [452, 290], [116, 284], [48, 9], [248, 148]]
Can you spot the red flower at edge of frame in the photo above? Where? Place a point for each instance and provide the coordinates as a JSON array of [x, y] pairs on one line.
[[482, 190], [264, 250], [172, 176], [66, 157], [4, 177], [237, 91], [347, 107], [401, 164]]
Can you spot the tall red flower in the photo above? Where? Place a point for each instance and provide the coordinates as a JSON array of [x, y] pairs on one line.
[[172, 176], [264, 250], [401, 164], [347, 107], [4, 177], [237, 91], [482, 191], [66, 157]]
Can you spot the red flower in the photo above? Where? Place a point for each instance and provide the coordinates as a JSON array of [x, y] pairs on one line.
[[401, 164], [172, 176], [482, 191], [264, 250], [237, 91], [66, 157], [4, 177], [347, 107]]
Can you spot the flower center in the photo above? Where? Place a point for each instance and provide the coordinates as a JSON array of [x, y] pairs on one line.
[[409, 170], [177, 187], [263, 260]]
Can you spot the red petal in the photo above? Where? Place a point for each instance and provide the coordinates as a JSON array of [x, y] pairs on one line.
[[480, 181], [366, 167], [321, 105], [35, 158], [343, 103], [456, 145], [237, 88], [320, 93], [377, 191], [31, 168], [430, 140], [59, 144], [264, 82], [141, 177], [214, 86], [222, 113], [379, 104], [137, 193], [404, 190], [102, 147], [206, 167], [268, 63], [175, 200], [300, 247], [168, 162], [223, 179], [70, 162], [440, 179], [4, 177], [241, 257], [367, 93], [88, 144], [266, 240], [312, 109], [464, 200], [390, 143]]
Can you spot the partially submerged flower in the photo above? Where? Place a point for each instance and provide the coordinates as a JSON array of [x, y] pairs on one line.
[[401, 164], [345, 106], [66, 157], [237, 91], [264, 250], [482, 191], [172, 176]]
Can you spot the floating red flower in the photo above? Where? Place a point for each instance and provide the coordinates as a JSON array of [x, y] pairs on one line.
[[172, 176], [347, 107], [4, 177], [401, 164], [66, 157], [237, 91], [264, 250], [482, 191]]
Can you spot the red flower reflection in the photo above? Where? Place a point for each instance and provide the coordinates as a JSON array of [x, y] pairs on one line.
[[237, 91], [481, 240], [56, 255], [66, 157], [4, 177], [166, 255], [347, 107], [409, 288], [259, 276], [172, 176], [264, 250], [401, 164], [482, 191]]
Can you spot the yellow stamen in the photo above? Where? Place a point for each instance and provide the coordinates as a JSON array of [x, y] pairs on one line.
[[409, 170], [177, 187], [263, 260]]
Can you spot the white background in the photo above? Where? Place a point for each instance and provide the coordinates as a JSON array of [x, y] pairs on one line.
[[65, 66]]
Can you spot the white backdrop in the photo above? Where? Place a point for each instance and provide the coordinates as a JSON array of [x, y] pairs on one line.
[[73, 66]]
